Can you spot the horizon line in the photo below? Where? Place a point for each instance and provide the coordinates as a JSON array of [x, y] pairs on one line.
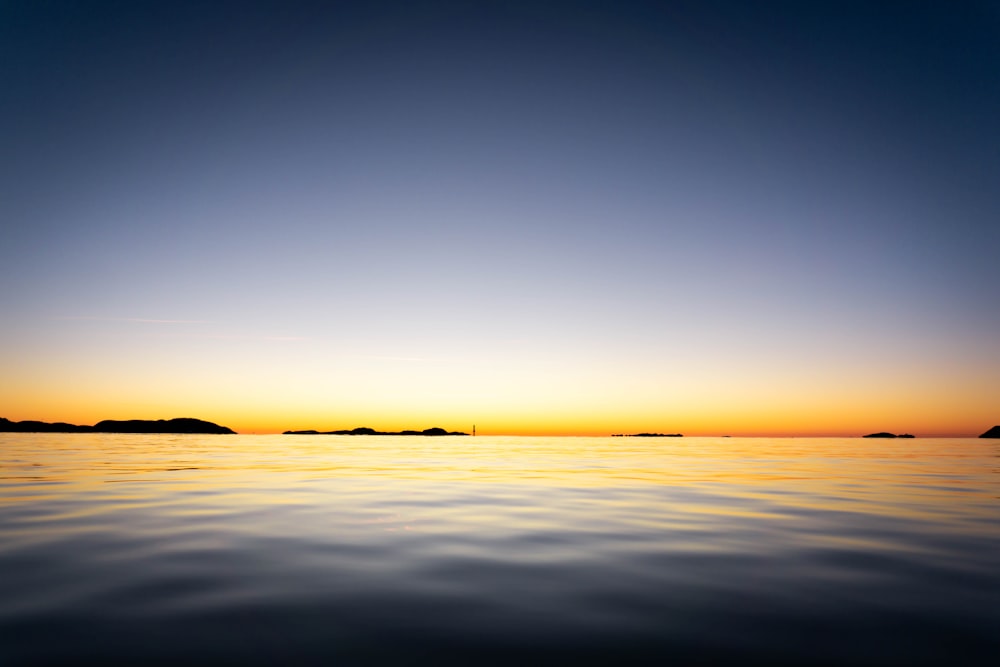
[[566, 433]]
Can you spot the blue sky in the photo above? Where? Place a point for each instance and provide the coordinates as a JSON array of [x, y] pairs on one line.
[[716, 204]]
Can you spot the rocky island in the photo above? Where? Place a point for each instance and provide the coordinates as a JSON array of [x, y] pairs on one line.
[[992, 433], [178, 425], [886, 434], [364, 430], [647, 435]]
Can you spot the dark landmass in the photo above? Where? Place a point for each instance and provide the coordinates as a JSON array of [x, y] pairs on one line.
[[992, 433], [180, 425], [364, 430], [647, 435], [7, 426], [885, 434]]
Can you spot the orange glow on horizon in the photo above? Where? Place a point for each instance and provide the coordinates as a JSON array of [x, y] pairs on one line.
[[594, 425], [274, 398]]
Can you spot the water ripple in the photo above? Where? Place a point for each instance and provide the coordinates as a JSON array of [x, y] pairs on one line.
[[312, 550]]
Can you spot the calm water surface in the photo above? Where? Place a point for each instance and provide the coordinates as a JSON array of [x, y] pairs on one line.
[[254, 550]]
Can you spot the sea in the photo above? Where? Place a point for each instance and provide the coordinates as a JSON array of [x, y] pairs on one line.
[[488, 550]]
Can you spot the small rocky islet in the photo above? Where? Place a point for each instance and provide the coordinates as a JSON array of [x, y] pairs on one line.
[[364, 430]]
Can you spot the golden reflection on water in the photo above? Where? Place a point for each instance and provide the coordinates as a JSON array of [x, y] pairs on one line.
[[580, 461], [920, 478]]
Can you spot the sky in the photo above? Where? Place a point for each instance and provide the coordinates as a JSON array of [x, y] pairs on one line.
[[746, 218]]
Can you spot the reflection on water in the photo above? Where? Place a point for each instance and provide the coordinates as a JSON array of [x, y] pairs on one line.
[[137, 549]]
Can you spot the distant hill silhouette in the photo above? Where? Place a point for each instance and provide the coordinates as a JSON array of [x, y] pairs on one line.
[[364, 430], [886, 434], [992, 433], [647, 435], [179, 425], [7, 426]]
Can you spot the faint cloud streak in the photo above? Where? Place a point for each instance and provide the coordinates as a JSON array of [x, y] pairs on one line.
[[212, 336], [142, 320]]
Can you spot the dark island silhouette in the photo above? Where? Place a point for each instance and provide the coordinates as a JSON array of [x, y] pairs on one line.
[[178, 425], [364, 430], [886, 434], [647, 435], [992, 433]]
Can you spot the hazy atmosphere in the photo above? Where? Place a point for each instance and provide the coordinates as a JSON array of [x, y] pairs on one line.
[[538, 217]]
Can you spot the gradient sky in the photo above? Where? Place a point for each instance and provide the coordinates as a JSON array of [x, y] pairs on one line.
[[538, 217]]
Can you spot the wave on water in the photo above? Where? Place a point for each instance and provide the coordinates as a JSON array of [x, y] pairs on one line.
[[391, 550]]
